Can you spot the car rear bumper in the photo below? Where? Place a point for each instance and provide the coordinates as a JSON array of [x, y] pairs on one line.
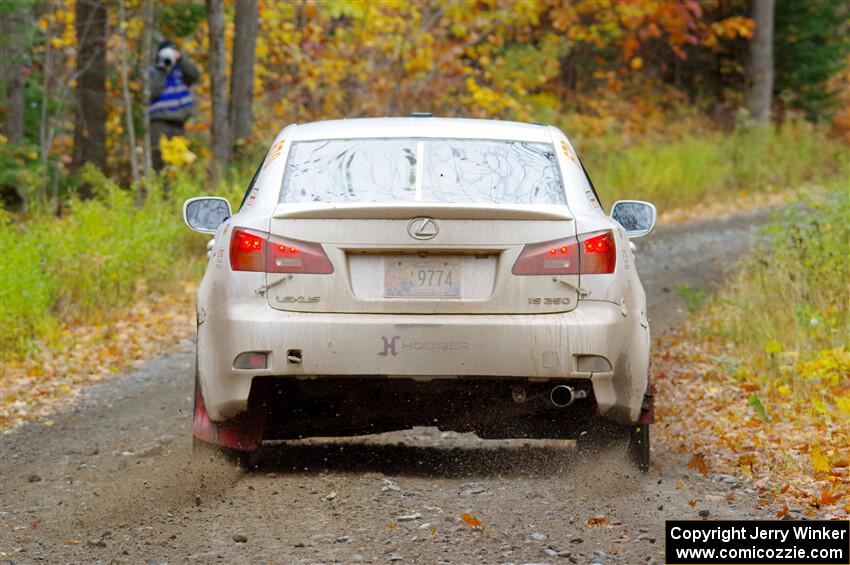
[[543, 347]]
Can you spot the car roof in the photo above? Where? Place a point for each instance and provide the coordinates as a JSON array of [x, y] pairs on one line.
[[458, 128]]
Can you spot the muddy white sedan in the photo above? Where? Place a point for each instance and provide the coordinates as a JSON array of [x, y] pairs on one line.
[[394, 272]]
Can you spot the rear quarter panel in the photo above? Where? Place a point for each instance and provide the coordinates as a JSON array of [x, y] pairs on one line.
[[623, 288]]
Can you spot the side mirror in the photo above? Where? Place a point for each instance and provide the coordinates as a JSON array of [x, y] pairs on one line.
[[204, 214], [636, 216]]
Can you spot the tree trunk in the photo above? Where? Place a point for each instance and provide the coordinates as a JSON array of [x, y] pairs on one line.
[[13, 30], [221, 140], [760, 96], [147, 58], [125, 92], [46, 70], [90, 126], [242, 68], [13, 125]]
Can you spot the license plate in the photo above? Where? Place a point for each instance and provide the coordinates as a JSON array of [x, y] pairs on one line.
[[422, 278]]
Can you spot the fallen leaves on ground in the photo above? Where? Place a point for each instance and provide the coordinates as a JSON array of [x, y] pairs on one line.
[[820, 462], [471, 520], [697, 463], [596, 521], [38, 386], [797, 457]]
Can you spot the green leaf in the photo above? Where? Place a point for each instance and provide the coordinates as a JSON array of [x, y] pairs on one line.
[[755, 404]]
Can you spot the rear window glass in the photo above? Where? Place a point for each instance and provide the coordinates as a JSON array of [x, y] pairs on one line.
[[462, 171]]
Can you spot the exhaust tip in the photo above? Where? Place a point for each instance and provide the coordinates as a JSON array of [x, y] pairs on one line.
[[518, 395], [562, 396]]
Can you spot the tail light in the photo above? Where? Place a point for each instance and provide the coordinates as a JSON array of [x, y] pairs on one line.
[[252, 250], [590, 253], [598, 253]]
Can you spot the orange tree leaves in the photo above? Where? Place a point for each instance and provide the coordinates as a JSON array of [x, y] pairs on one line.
[[492, 58], [489, 58]]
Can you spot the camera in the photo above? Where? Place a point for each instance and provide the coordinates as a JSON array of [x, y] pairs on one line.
[[166, 57]]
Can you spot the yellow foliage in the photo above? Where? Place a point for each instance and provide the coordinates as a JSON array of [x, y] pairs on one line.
[[842, 403], [175, 151]]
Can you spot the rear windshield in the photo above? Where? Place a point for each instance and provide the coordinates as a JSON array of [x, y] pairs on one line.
[[462, 171]]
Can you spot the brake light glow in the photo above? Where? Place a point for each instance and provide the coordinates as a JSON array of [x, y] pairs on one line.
[[591, 253], [597, 244], [249, 242], [252, 250]]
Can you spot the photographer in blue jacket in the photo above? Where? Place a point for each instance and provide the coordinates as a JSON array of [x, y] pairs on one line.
[[171, 101]]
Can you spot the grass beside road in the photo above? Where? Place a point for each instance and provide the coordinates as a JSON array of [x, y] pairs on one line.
[[791, 296], [100, 257], [707, 167], [77, 269], [760, 384]]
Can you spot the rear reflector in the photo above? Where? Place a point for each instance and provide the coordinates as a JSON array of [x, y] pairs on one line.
[[590, 253], [251, 360], [252, 250], [592, 364]]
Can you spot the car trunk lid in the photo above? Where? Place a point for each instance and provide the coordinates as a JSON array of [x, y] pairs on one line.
[[422, 258]]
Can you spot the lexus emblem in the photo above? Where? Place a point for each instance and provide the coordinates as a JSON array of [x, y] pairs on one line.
[[422, 228]]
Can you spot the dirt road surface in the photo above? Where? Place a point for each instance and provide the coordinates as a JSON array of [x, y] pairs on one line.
[[113, 480]]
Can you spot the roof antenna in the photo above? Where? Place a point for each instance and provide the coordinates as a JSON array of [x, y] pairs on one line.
[[420, 114]]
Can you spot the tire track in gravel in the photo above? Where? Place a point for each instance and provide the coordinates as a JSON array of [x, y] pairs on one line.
[[116, 474]]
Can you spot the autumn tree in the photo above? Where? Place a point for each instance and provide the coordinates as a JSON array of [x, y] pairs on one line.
[[760, 95], [90, 124], [242, 68]]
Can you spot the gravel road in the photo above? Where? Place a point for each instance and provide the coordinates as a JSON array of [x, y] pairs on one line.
[[113, 479]]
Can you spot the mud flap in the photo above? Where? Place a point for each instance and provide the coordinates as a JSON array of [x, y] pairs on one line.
[[243, 432], [647, 407]]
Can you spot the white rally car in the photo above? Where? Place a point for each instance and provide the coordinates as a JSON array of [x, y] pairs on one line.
[[392, 272]]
